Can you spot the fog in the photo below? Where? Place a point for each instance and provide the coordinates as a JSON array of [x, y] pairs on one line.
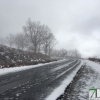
[[75, 23]]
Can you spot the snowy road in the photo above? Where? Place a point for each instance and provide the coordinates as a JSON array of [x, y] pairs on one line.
[[35, 83]]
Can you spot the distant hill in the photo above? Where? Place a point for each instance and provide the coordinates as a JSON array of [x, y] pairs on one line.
[[10, 57]]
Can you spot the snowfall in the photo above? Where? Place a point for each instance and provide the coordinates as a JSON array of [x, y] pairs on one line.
[[60, 89]]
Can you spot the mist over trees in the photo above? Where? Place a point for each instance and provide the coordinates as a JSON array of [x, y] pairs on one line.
[[63, 53], [37, 38], [10, 40], [2, 41], [20, 41]]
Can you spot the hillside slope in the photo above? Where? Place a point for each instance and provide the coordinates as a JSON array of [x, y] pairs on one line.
[[10, 57]]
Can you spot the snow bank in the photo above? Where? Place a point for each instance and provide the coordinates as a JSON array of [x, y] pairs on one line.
[[88, 78], [93, 65], [16, 69], [60, 90]]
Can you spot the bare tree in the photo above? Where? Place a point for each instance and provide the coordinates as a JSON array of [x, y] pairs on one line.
[[49, 41], [46, 38], [59, 54], [40, 36], [55, 53], [17, 41], [2, 41], [63, 53], [70, 53], [20, 41], [10, 40], [34, 32], [74, 53]]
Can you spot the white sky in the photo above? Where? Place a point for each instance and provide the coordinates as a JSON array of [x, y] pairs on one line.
[[75, 23]]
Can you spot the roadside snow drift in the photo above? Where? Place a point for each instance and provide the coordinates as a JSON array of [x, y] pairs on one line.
[[88, 77], [16, 69], [93, 65]]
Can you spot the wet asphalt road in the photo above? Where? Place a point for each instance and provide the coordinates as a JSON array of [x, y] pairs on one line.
[[35, 83]]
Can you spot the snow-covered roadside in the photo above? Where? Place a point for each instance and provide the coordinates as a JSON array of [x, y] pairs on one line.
[[88, 77], [16, 69], [60, 90], [93, 65]]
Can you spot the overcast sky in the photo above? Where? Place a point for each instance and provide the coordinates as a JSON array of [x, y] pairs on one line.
[[75, 23]]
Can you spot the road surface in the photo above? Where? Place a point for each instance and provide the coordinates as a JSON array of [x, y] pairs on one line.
[[35, 83]]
